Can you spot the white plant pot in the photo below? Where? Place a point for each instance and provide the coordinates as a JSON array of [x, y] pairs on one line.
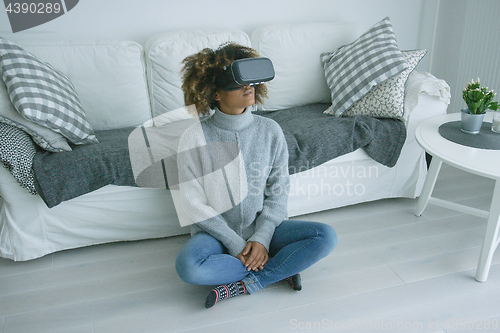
[[471, 123]]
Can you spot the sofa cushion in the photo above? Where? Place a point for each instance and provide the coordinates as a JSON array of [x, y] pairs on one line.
[[386, 100], [44, 137], [43, 94], [16, 154], [109, 76], [352, 70], [295, 50], [164, 55]]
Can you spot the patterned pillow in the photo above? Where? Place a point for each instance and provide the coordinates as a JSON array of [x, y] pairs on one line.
[[43, 94], [17, 150], [386, 100], [352, 70], [44, 137]]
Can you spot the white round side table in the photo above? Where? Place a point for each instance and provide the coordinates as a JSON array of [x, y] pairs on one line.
[[483, 162]]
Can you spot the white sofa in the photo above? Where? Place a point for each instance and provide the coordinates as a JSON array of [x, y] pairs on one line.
[[122, 83]]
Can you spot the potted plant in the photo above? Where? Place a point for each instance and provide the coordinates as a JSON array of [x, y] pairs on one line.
[[478, 100]]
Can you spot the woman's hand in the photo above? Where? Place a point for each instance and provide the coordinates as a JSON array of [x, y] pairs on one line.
[[254, 256]]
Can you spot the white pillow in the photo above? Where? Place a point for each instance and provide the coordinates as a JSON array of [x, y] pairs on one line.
[[184, 113], [295, 50], [164, 55], [109, 76]]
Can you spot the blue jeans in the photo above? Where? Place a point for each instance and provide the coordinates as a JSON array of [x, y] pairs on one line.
[[295, 246]]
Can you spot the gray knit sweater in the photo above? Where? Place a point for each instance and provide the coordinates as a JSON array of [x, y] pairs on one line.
[[233, 174]]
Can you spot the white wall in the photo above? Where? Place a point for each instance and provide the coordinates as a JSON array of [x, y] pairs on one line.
[[467, 46], [137, 20]]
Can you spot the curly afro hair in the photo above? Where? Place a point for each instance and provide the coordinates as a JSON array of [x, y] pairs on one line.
[[202, 70]]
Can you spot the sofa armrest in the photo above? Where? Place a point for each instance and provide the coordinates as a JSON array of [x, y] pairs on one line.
[[425, 97]]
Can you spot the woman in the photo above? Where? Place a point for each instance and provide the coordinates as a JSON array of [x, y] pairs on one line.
[[233, 175]]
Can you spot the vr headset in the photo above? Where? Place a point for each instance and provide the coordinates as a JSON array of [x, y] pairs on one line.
[[248, 71]]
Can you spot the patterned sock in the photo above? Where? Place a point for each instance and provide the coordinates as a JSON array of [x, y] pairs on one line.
[[295, 281], [225, 291]]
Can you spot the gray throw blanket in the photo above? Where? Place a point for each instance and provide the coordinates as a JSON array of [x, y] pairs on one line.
[[67, 175], [313, 138]]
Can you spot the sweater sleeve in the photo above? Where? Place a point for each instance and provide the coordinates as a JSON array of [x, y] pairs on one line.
[[195, 201], [275, 207]]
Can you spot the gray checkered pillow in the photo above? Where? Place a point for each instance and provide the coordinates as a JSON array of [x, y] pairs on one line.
[[43, 94], [352, 70], [44, 137], [386, 100], [17, 150]]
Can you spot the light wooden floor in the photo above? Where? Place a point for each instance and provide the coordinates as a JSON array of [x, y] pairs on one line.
[[391, 271]]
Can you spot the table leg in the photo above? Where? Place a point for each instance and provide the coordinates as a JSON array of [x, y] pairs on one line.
[[430, 181], [490, 242]]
